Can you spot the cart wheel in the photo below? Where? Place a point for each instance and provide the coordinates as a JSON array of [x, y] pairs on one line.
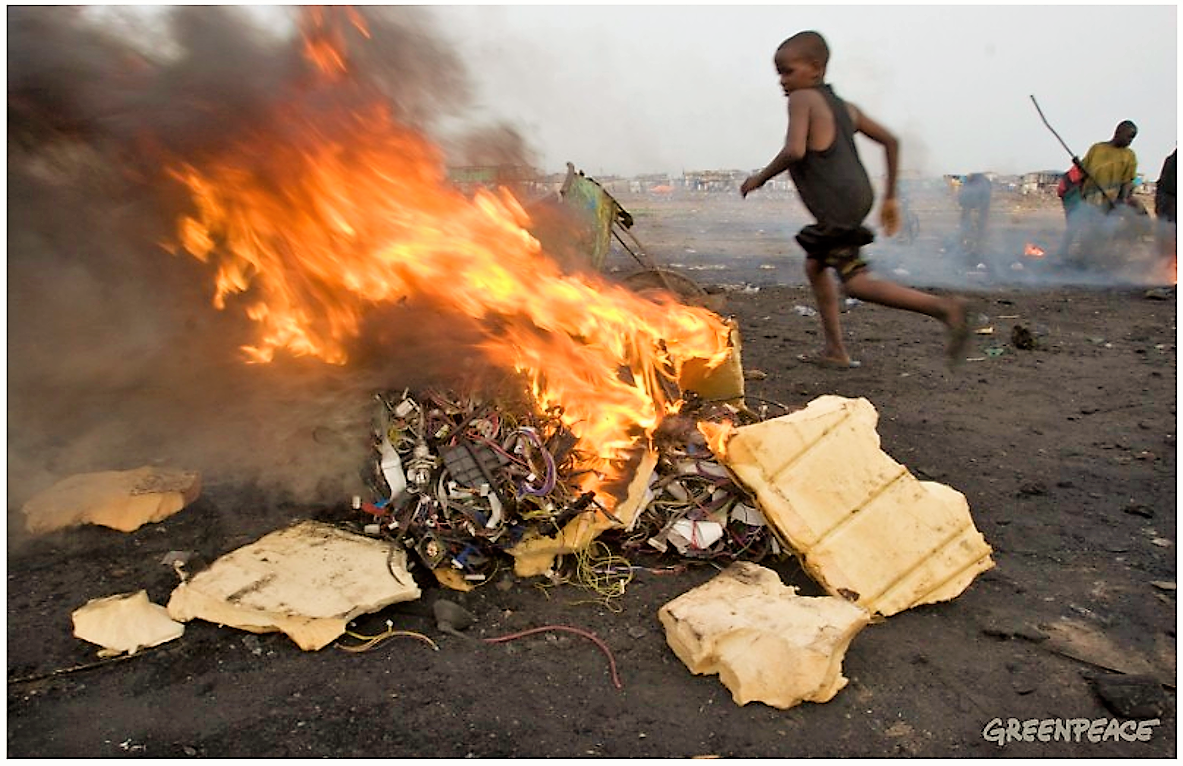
[[664, 281]]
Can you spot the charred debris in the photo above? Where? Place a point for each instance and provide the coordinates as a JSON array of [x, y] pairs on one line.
[[460, 480]]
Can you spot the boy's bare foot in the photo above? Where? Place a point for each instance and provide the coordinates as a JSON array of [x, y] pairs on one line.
[[957, 320], [830, 362]]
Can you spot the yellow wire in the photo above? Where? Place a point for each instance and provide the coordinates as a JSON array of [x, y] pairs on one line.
[[608, 585], [372, 641], [490, 578]]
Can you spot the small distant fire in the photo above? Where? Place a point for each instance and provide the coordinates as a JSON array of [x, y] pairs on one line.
[[1033, 251]]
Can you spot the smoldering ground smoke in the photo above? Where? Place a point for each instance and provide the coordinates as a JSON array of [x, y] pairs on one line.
[[116, 357]]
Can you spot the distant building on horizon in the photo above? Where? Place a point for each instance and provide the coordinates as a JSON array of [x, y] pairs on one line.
[[1040, 182], [713, 180]]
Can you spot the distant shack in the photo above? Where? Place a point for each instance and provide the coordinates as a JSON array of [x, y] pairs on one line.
[[1040, 182]]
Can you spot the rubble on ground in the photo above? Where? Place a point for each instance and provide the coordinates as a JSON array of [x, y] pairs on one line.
[[468, 485]]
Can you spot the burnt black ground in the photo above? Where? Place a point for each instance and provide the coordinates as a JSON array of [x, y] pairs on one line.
[[1066, 453]]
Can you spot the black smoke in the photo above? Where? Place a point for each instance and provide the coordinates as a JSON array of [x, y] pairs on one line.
[[116, 356]]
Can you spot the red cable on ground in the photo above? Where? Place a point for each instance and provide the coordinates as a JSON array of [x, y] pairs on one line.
[[603, 647]]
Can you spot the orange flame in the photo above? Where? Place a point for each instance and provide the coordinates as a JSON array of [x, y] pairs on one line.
[[324, 38], [717, 436], [320, 214], [1033, 251]]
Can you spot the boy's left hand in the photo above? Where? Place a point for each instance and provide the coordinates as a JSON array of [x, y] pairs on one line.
[[750, 184], [889, 216]]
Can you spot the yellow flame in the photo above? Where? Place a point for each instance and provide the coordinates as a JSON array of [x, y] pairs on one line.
[[717, 436], [319, 215]]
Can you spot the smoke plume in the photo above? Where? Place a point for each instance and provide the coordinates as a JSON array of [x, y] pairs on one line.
[[116, 356]]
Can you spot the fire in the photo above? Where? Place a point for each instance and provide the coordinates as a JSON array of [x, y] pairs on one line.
[[322, 213], [324, 40], [717, 436], [1033, 251]]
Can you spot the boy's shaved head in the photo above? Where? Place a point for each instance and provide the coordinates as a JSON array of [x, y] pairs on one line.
[[810, 45]]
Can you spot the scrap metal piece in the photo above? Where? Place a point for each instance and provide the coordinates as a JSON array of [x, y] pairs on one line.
[[596, 210], [431, 551], [420, 467], [472, 464], [863, 526], [766, 643]]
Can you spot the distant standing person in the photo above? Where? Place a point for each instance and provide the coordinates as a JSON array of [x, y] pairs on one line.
[[909, 220], [820, 155], [1164, 208], [974, 198]]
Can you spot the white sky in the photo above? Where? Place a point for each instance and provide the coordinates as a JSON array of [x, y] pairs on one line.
[[644, 89]]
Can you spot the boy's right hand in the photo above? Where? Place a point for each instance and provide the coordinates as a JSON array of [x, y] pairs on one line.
[[889, 216], [750, 184]]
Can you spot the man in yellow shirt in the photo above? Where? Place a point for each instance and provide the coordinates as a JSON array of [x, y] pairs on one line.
[[1110, 167]]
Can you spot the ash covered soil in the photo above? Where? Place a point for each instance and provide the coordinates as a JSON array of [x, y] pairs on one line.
[[1065, 452]]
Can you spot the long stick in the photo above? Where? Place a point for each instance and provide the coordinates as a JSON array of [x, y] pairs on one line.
[[1075, 160]]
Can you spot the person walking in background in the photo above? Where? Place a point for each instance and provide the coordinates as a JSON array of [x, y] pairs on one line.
[[820, 155]]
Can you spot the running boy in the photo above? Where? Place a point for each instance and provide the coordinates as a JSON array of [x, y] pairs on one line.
[[821, 157]]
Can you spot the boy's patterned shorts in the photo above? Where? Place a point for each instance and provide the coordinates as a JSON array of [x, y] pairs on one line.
[[847, 261]]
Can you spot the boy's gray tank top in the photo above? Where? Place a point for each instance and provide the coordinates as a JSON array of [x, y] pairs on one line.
[[833, 183]]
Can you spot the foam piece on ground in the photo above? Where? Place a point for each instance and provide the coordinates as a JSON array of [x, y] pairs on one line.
[[122, 500], [125, 623], [308, 581], [766, 643], [863, 526]]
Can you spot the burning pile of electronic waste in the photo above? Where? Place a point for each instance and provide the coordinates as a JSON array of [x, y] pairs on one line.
[[459, 481]]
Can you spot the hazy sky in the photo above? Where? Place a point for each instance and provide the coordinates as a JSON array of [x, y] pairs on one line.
[[666, 88]]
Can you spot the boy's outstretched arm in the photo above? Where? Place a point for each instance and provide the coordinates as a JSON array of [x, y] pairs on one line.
[[889, 211], [796, 140]]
